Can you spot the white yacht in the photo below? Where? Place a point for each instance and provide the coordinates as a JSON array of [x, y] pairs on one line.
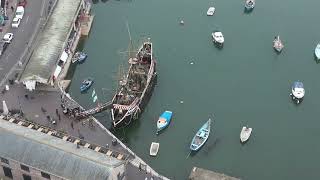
[[211, 11], [245, 134], [218, 37]]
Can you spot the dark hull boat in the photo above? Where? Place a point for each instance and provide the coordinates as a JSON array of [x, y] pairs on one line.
[[135, 88], [86, 84]]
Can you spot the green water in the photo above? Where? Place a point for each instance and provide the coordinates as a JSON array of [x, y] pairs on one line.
[[245, 83]]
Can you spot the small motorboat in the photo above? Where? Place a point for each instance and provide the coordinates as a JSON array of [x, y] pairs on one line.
[[249, 5], [277, 44], [164, 120], [86, 84], [218, 38], [297, 91], [154, 148], [317, 52], [211, 11], [245, 134], [201, 136], [79, 57]]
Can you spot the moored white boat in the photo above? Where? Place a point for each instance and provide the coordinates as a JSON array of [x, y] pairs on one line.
[[249, 5], [218, 38], [297, 91], [317, 51], [211, 11], [245, 134], [277, 44], [154, 148]]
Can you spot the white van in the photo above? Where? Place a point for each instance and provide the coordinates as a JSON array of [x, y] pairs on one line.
[[19, 12]]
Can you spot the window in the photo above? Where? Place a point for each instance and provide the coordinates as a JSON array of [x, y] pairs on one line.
[[23, 167], [7, 172], [4, 160], [26, 177], [45, 175]]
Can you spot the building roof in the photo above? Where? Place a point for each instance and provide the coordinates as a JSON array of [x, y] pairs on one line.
[[51, 42], [55, 156]]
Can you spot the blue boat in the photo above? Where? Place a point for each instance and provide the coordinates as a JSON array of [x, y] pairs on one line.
[[86, 84], [249, 5], [201, 137], [164, 120]]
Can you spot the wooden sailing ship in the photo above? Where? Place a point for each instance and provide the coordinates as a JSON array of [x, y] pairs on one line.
[[135, 87]]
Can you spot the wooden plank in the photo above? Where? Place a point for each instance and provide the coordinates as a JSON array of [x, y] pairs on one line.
[[65, 138], [20, 123], [40, 129], [50, 132], [86, 145], [109, 153], [76, 141], [1, 116], [30, 126], [97, 148], [120, 156], [11, 120]]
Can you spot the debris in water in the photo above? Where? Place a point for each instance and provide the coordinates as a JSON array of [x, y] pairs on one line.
[[192, 63], [181, 22], [181, 102]]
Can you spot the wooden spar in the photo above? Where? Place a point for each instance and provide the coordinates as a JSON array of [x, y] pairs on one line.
[[130, 43]]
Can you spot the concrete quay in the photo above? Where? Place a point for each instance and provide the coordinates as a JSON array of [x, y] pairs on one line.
[[40, 107], [203, 174]]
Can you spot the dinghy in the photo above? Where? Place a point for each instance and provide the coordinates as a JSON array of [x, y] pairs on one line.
[[297, 92], [249, 5], [245, 134], [317, 52], [201, 136], [218, 38], [154, 148], [164, 120], [86, 84], [277, 44], [211, 11]]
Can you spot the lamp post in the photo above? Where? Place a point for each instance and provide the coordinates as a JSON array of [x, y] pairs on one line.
[[5, 7]]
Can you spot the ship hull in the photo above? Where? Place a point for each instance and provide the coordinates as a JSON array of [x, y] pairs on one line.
[[136, 88], [132, 118]]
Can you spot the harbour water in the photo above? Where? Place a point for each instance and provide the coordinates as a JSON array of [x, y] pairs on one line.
[[245, 83]]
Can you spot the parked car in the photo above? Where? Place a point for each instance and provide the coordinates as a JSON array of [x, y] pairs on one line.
[[22, 3], [15, 22], [3, 47], [8, 37], [19, 12]]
